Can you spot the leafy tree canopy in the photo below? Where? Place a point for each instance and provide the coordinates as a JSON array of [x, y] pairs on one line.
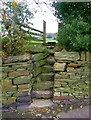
[[14, 13], [74, 37], [66, 11]]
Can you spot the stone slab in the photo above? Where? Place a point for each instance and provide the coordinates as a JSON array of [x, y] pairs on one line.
[[59, 66], [41, 103], [39, 56], [23, 108], [68, 56], [46, 76], [41, 94], [24, 99], [11, 59], [22, 80], [51, 60], [43, 85], [18, 73]]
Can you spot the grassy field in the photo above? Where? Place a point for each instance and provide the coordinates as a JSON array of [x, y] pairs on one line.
[[50, 40], [37, 41]]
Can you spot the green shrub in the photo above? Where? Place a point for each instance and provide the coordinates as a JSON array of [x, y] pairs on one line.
[[74, 36], [13, 39]]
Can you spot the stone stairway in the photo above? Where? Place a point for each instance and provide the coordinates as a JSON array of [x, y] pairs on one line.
[[42, 91], [50, 45]]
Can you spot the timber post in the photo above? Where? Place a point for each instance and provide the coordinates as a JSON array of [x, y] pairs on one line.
[[44, 32]]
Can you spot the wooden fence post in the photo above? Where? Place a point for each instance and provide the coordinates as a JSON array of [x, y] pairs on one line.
[[44, 32]]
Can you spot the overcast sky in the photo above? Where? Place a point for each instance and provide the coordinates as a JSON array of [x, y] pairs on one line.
[[51, 22], [44, 13]]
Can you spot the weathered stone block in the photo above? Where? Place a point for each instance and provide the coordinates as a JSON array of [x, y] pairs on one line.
[[88, 56], [63, 80], [4, 100], [71, 70], [6, 69], [83, 56], [74, 65], [57, 94], [4, 75], [64, 94], [43, 85], [11, 93], [61, 89], [6, 83], [5, 95], [41, 94], [73, 76], [22, 88], [23, 94], [43, 69], [11, 59], [23, 108], [40, 63], [9, 88], [9, 101], [37, 71], [66, 56], [57, 85], [58, 76], [63, 97], [24, 99], [40, 56], [36, 48], [16, 65], [47, 76], [22, 80], [47, 68], [59, 66], [51, 60], [18, 73], [64, 84]]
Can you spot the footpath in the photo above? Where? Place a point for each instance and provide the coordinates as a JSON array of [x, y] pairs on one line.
[[77, 113], [56, 111]]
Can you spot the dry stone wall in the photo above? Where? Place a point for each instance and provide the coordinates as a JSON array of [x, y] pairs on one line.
[[72, 75], [43, 75], [16, 79], [27, 77], [32, 76]]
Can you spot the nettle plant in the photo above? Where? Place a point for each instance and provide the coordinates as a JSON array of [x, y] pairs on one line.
[[13, 16]]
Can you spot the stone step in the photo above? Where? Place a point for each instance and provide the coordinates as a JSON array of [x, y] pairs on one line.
[[44, 85], [51, 60], [24, 99], [41, 94], [47, 76], [50, 46], [48, 68], [51, 51], [41, 103]]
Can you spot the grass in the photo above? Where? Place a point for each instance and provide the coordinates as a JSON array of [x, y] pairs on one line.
[[50, 40], [47, 40]]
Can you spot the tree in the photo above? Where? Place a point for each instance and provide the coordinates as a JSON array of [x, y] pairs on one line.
[[67, 11], [76, 30], [14, 15], [74, 37]]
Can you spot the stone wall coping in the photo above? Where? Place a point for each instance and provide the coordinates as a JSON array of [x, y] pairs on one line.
[[18, 58]]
